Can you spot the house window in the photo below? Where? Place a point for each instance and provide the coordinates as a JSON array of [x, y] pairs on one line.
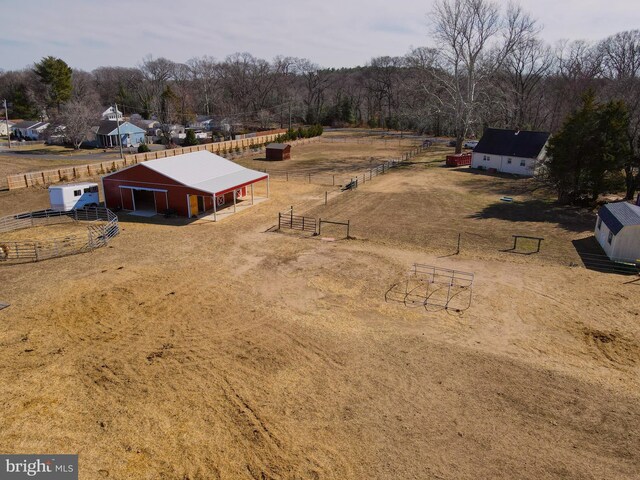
[[77, 193], [486, 158], [509, 161], [93, 189], [610, 238], [599, 223], [523, 163]]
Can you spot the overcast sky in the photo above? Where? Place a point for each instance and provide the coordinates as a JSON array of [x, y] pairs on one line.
[[91, 33]]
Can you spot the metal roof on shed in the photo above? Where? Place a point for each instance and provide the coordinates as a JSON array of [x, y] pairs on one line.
[[512, 143], [618, 215], [204, 171]]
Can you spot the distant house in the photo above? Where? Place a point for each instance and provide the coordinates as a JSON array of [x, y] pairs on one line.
[[30, 129], [278, 151], [510, 151], [112, 114], [201, 123], [152, 127], [4, 131], [130, 135], [618, 231], [176, 131]]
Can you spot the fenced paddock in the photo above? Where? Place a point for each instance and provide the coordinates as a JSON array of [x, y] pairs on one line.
[[100, 225], [296, 222], [287, 220]]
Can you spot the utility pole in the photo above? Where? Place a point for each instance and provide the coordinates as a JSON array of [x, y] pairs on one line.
[[289, 115], [115, 106], [6, 119]]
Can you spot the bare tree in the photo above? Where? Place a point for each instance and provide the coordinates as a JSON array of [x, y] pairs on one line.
[[475, 39], [75, 121], [205, 72], [315, 83], [156, 73], [620, 55]]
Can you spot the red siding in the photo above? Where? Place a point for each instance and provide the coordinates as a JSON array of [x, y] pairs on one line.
[[142, 177]]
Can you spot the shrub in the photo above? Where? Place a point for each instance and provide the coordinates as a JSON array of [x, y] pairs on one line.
[[143, 148], [190, 139]]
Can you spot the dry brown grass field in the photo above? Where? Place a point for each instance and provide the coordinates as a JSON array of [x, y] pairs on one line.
[[199, 350], [37, 158]]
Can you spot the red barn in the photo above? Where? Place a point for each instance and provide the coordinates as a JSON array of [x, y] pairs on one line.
[[188, 184]]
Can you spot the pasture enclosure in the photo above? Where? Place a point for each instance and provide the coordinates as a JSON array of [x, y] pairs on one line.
[[230, 352], [100, 225]]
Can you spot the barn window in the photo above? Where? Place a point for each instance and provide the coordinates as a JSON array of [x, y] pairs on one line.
[[77, 193], [599, 223], [509, 161], [523, 163], [610, 237]]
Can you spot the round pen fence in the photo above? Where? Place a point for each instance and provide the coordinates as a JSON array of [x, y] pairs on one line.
[[101, 225]]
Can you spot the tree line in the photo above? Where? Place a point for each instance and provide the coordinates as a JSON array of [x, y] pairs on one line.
[[491, 67]]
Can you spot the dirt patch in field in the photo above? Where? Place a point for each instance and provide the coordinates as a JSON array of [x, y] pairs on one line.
[[614, 346]]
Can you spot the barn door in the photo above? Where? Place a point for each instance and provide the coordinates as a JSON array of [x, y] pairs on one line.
[[193, 201]]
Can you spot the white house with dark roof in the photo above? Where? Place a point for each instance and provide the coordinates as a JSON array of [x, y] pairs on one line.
[[510, 151], [112, 114], [618, 231]]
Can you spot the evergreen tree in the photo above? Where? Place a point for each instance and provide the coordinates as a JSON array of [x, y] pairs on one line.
[[55, 76], [190, 139], [590, 147]]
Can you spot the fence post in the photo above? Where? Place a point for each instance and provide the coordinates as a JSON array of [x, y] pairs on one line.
[[458, 249], [279, 220], [348, 227], [303, 223], [334, 180], [292, 216], [325, 197], [319, 225]]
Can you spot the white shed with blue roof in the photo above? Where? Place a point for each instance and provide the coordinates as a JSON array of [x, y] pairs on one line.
[[618, 231]]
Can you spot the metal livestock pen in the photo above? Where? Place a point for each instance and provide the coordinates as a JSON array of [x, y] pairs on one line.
[[102, 225]]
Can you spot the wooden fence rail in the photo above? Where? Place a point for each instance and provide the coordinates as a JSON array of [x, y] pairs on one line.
[[64, 174]]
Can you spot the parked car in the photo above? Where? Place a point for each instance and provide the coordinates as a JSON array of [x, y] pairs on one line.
[[452, 143], [471, 144]]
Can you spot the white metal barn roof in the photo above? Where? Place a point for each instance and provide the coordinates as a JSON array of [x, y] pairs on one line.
[[205, 171]]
